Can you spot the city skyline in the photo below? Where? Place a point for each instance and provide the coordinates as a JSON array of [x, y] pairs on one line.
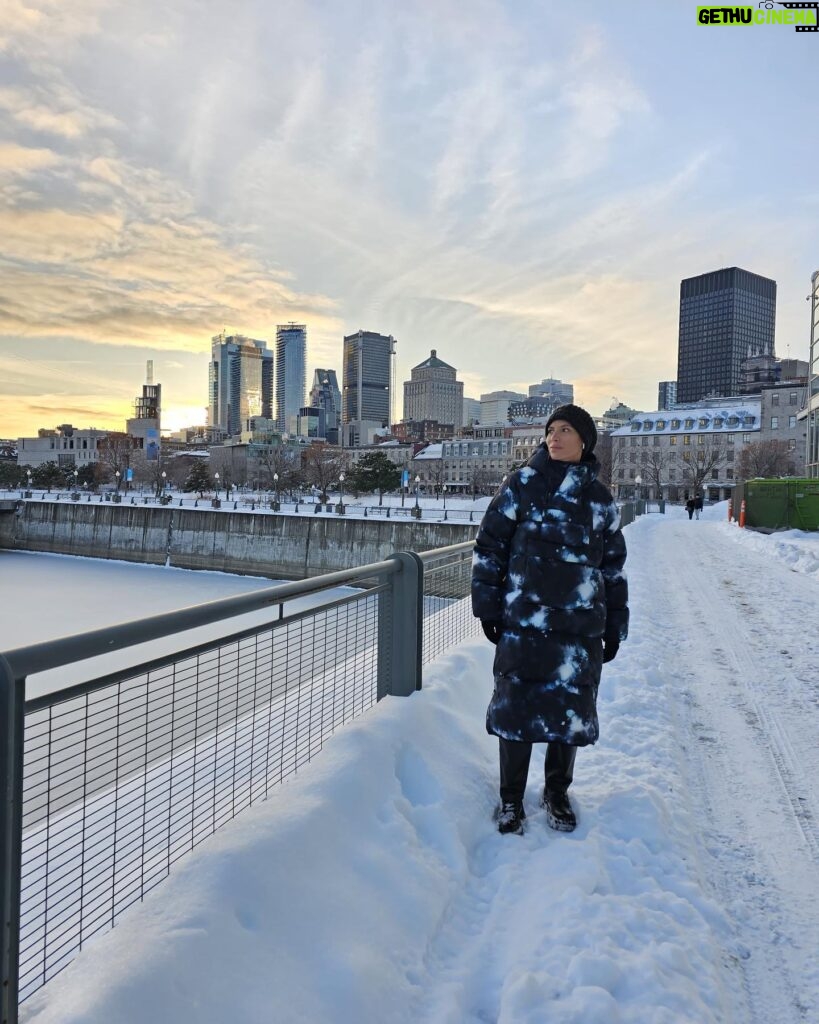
[[523, 190]]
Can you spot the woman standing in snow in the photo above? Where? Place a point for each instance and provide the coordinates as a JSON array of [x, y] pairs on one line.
[[549, 588]]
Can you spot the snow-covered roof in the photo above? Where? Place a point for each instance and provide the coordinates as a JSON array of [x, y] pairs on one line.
[[432, 451], [694, 419]]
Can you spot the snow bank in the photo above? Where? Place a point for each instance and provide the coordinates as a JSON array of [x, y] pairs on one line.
[[373, 887]]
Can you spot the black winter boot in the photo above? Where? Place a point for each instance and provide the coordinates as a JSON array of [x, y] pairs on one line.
[[509, 817], [559, 813], [559, 775]]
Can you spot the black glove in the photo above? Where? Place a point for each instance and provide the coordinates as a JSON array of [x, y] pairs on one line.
[[492, 630], [610, 649]]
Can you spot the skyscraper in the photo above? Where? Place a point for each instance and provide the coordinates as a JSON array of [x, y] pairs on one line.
[[433, 393], [325, 395], [725, 316], [368, 386], [240, 382], [666, 394], [291, 373]]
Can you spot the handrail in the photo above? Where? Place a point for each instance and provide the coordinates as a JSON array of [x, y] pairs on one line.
[[23, 661], [435, 553]]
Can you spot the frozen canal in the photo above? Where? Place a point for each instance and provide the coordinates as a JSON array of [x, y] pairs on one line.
[[49, 596]]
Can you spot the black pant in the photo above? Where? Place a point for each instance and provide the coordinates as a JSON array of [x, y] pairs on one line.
[[514, 768]]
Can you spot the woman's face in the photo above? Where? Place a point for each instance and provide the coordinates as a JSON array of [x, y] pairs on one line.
[[564, 442]]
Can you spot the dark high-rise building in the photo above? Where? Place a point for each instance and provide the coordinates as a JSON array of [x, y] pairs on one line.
[[368, 386], [726, 316], [326, 395]]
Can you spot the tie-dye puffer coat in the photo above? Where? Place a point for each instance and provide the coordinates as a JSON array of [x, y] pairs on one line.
[[548, 565]]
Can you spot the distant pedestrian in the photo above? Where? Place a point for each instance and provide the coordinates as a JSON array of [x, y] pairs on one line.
[[689, 508], [549, 588], [697, 505]]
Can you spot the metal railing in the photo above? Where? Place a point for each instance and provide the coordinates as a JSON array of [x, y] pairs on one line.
[[106, 784]]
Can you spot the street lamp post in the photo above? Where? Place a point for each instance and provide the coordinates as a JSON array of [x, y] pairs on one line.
[[443, 492], [276, 504], [28, 474], [216, 478], [164, 475], [417, 510], [116, 477], [340, 506]]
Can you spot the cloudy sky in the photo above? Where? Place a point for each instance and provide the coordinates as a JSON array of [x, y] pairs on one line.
[[520, 185]]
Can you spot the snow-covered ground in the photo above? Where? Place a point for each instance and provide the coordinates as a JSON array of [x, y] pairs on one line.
[[373, 887]]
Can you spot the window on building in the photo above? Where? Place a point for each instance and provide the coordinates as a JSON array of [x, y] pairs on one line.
[[632, 473], [661, 424], [700, 438], [672, 474], [672, 440], [792, 445], [715, 474], [729, 455], [729, 473], [718, 421], [689, 423], [687, 456], [793, 398], [774, 399], [703, 422], [645, 441], [774, 423], [791, 422], [747, 438], [675, 424], [686, 439], [729, 438], [621, 474]]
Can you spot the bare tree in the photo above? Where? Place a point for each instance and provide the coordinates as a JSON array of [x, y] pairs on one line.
[[435, 474], [282, 462], [116, 451], [702, 460], [655, 468], [763, 459], [322, 466], [479, 480]]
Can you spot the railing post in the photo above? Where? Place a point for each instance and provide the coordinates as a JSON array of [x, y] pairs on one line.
[[400, 624], [12, 715]]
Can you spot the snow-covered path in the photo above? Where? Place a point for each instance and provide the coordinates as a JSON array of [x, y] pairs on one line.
[[373, 887], [748, 722]]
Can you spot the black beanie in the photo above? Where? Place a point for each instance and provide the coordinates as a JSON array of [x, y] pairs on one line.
[[580, 420]]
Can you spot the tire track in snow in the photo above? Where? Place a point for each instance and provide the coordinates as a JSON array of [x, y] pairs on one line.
[[741, 764]]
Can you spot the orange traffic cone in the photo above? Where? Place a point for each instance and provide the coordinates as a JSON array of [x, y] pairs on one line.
[[742, 513]]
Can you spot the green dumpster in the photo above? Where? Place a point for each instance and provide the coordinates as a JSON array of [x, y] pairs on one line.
[[782, 504]]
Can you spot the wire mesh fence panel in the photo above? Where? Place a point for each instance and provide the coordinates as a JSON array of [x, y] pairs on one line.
[[447, 605], [122, 780]]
